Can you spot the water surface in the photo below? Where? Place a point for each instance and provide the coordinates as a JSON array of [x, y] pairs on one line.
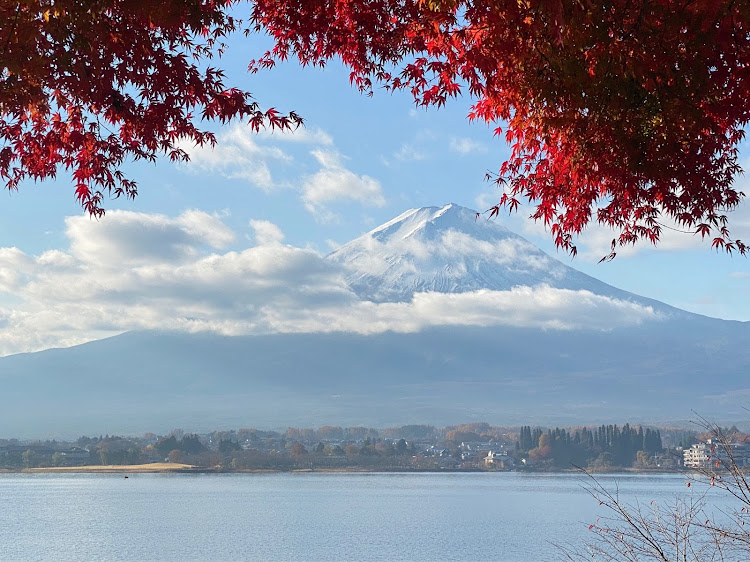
[[505, 517]]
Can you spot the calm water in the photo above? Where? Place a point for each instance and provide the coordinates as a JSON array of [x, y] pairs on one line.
[[274, 517]]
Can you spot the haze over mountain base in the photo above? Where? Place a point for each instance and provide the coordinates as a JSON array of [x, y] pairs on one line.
[[149, 381]]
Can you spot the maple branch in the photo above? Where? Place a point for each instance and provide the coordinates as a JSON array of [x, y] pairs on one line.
[[12, 30], [661, 224]]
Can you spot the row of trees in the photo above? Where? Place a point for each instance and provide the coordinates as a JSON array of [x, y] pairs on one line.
[[606, 446], [477, 431], [697, 526], [103, 451]]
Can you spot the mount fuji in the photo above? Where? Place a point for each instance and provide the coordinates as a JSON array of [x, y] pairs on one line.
[[630, 359], [452, 249]]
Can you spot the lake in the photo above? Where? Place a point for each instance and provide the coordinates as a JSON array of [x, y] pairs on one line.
[[508, 517]]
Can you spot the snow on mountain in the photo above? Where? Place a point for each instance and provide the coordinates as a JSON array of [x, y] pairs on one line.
[[452, 249]]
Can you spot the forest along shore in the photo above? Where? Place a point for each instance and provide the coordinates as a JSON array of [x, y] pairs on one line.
[[412, 448]]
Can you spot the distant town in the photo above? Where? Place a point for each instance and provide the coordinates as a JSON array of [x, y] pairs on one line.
[[469, 447]]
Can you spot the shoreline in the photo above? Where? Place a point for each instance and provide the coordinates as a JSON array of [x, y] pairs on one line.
[[156, 467], [178, 468]]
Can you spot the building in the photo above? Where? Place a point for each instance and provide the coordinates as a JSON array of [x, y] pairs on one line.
[[498, 460], [706, 455]]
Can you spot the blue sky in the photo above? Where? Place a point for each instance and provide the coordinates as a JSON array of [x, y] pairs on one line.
[[359, 162]]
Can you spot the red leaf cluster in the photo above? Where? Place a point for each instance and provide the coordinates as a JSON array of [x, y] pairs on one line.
[[628, 112], [87, 84]]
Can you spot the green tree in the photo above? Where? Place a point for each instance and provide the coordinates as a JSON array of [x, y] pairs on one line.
[[191, 445], [28, 458], [58, 459], [228, 446], [166, 444], [401, 447]]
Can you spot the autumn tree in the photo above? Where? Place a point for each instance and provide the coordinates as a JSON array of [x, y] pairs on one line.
[[330, 432], [88, 84], [297, 450], [299, 434], [543, 450], [625, 112], [457, 436]]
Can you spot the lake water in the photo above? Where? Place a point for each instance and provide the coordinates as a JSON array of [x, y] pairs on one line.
[[509, 517]]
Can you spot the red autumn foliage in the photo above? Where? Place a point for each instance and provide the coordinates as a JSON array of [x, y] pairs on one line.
[[626, 111], [88, 84]]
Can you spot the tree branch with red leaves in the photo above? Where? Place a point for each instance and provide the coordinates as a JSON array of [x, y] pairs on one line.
[[624, 112], [88, 85]]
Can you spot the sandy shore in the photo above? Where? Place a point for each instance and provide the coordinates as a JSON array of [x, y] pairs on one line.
[[125, 469]]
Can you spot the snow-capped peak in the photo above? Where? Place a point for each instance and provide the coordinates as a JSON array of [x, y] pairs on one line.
[[452, 249], [427, 219]]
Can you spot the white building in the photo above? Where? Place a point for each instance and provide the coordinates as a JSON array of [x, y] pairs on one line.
[[706, 455]]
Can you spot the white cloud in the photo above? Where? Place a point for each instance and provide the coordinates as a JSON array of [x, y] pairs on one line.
[[126, 237], [139, 271], [266, 232], [133, 271], [409, 153], [464, 146], [242, 154], [539, 307], [55, 259], [333, 182], [596, 241], [504, 251], [301, 135], [333, 244], [237, 155], [14, 266]]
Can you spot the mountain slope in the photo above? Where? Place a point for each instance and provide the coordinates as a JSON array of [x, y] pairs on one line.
[[154, 382], [505, 374], [451, 249]]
